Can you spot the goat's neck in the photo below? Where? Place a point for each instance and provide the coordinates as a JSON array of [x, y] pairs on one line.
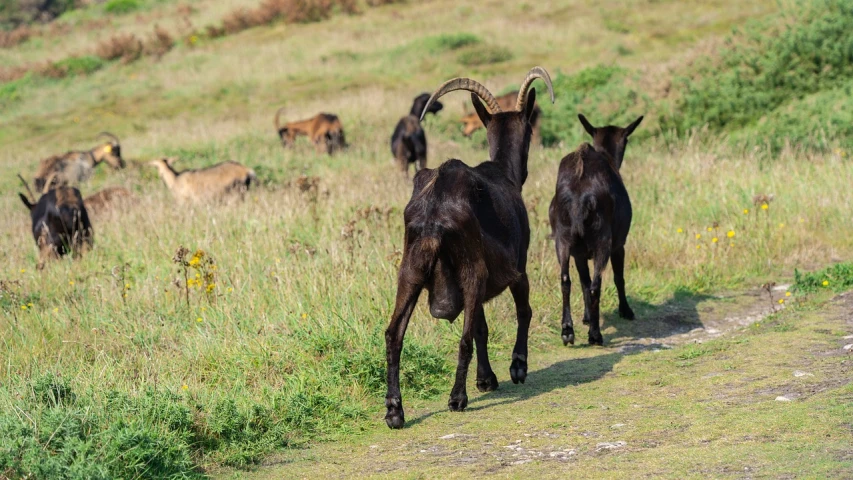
[[94, 157], [168, 174], [514, 160]]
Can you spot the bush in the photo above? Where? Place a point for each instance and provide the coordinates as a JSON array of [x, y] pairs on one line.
[[15, 37], [837, 278], [159, 43], [484, 55], [121, 6], [80, 65], [127, 47], [811, 49]]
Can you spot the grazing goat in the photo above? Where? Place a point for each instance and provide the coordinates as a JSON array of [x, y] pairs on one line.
[[590, 217], [77, 166], [104, 200], [216, 182], [408, 143], [466, 240], [324, 130], [60, 223], [471, 121]]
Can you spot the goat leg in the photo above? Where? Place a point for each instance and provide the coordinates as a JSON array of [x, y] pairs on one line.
[[568, 333], [487, 381], [521, 296], [590, 300], [617, 259], [408, 290], [473, 304]]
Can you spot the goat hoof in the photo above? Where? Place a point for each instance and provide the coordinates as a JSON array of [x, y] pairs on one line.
[[596, 340], [488, 384], [568, 336], [518, 371], [395, 420], [458, 403], [626, 312]]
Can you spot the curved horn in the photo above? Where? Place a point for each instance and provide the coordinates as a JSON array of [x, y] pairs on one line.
[[277, 115], [533, 74], [109, 135], [464, 84], [47, 183], [27, 186]]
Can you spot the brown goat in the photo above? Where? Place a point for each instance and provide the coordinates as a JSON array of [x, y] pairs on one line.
[[216, 182], [471, 121], [60, 224], [106, 199], [324, 130], [77, 166], [466, 241], [590, 217]]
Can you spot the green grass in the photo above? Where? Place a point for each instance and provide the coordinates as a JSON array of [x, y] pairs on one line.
[[286, 350]]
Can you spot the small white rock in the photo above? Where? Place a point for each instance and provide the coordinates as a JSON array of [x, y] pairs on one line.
[[799, 373], [782, 398], [848, 337], [610, 445], [848, 347], [617, 425]]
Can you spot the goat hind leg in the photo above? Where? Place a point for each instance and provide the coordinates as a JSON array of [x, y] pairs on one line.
[[486, 378], [568, 327], [473, 304], [521, 296], [589, 301], [617, 259]]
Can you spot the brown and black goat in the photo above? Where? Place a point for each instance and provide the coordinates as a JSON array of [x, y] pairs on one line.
[[77, 166], [324, 130], [466, 241], [408, 143], [60, 223], [471, 121], [590, 218]]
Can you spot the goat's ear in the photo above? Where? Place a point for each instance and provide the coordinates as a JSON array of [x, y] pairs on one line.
[[630, 128], [482, 112], [530, 105], [26, 201], [586, 125]]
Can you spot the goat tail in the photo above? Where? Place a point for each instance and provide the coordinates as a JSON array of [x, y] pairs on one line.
[[424, 252], [579, 211]]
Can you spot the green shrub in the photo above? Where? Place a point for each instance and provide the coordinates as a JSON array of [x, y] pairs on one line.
[[484, 55], [82, 65], [450, 41], [837, 278], [121, 6], [809, 50], [605, 94]]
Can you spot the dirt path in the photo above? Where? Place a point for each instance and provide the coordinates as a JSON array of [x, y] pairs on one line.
[[706, 387]]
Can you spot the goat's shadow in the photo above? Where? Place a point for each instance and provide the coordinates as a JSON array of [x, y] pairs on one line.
[[655, 323]]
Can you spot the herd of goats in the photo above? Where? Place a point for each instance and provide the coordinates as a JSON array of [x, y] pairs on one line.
[[466, 228]]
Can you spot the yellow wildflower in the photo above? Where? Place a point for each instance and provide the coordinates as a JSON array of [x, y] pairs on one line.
[[71, 282], [787, 294], [732, 244], [710, 229], [698, 246], [781, 225], [127, 286], [194, 261], [825, 283], [210, 287], [730, 234], [679, 231], [304, 316], [23, 307], [199, 320], [30, 304], [746, 211], [714, 239], [185, 387], [764, 206], [230, 289], [698, 236], [23, 270], [56, 310], [781, 301]]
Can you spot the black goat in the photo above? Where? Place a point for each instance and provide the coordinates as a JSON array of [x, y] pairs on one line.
[[590, 219], [408, 143], [466, 241], [60, 224]]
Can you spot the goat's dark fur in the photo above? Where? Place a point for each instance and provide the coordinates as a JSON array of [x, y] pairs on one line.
[[408, 143], [590, 219], [60, 223], [466, 241]]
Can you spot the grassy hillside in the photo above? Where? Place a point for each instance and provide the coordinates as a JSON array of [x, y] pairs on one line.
[[113, 367]]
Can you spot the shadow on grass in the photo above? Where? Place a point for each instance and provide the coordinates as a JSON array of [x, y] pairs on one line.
[[679, 314], [654, 324]]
